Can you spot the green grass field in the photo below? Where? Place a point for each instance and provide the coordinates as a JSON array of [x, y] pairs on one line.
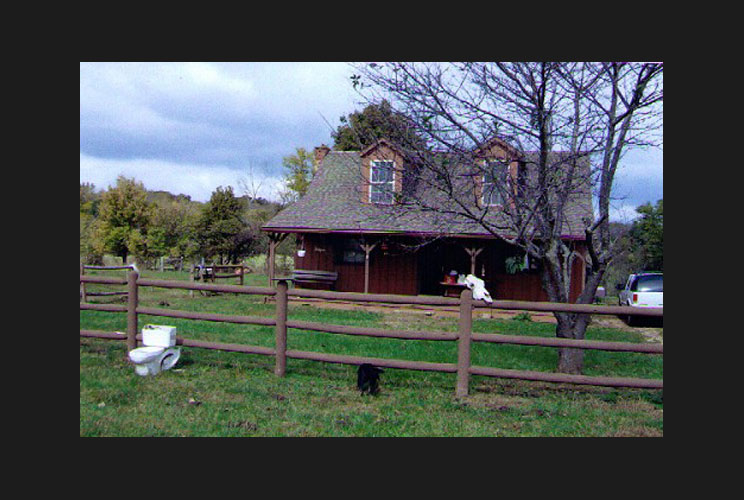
[[214, 393]]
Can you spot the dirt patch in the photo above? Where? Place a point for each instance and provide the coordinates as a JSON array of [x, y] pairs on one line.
[[440, 311], [496, 402], [244, 424], [638, 431], [650, 333]]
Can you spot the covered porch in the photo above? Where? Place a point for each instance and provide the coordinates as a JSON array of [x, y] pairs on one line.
[[411, 265]]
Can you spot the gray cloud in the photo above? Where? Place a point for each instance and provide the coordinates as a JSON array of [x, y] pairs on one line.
[[215, 115], [182, 126]]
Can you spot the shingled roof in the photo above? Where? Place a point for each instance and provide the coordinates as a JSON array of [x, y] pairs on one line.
[[333, 204]]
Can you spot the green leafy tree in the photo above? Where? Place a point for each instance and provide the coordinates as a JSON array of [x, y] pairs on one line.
[[89, 199], [624, 261], [137, 242], [187, 244], [124, 214], [638, 246], [222, 228], [647, 236], [89, 253], [361, 129], [156, 244], [299, 171], [173, 229]]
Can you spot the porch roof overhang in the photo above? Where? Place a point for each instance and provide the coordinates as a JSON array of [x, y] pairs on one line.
[[415, 234]]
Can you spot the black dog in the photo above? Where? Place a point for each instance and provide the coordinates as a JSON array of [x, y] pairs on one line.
[[367, 377]]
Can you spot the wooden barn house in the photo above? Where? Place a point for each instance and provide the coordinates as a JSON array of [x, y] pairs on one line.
[[352, 225]]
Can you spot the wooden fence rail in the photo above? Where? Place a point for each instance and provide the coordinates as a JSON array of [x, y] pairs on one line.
[[464, 337], [84, 294]]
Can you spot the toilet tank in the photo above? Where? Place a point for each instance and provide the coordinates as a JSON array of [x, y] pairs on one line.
[[159, 335]]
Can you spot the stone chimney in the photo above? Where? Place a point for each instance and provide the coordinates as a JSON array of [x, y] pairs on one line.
[[320, 153]]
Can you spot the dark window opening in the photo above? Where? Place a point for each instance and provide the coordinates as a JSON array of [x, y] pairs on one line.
[[350, 252], [648, 284], [494, 180]]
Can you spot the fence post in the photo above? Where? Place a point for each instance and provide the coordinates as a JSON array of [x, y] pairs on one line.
[[463, 343], [132, 310], [82, 283], [242, 272], [281, 328]]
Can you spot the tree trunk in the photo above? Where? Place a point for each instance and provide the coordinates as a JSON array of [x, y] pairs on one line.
[[570, 325], [570, 360]]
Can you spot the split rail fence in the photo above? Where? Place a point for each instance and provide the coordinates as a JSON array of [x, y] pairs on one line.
[[464, 337], [84, 294]]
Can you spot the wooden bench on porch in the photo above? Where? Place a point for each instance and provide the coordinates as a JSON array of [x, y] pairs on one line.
[[312, 276]]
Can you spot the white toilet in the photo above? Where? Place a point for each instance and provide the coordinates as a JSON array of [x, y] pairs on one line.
[[157, 353]]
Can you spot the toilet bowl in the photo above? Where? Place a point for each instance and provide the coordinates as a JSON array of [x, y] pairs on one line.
[[157, 353]]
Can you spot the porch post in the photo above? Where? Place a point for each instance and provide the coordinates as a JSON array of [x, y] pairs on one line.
[[274, 240], [272, 249], [367, 250], [473, 252]]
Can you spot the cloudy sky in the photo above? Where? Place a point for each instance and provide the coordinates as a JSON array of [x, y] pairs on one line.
[[190, 127]]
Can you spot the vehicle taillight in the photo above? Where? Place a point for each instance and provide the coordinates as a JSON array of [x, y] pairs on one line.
[[635, 298]]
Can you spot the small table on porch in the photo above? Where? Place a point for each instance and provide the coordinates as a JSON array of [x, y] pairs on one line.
[[452, 289]]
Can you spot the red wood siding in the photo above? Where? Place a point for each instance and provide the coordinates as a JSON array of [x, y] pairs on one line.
[[318, 257], [392, 271], [578, 272], [395, 271]]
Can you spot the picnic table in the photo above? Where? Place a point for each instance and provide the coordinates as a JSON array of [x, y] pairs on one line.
[[452, 289]]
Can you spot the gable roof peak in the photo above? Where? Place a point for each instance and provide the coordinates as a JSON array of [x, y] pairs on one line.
[[377, 144], [498, 141]]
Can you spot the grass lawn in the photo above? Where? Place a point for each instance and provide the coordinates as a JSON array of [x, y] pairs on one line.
[[214, 393]]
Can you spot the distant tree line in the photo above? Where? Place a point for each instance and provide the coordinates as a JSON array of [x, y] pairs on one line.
[[640, 245], [128, 221]]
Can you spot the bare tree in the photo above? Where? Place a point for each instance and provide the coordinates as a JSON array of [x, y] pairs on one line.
[[569, 124], [250, 185]]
